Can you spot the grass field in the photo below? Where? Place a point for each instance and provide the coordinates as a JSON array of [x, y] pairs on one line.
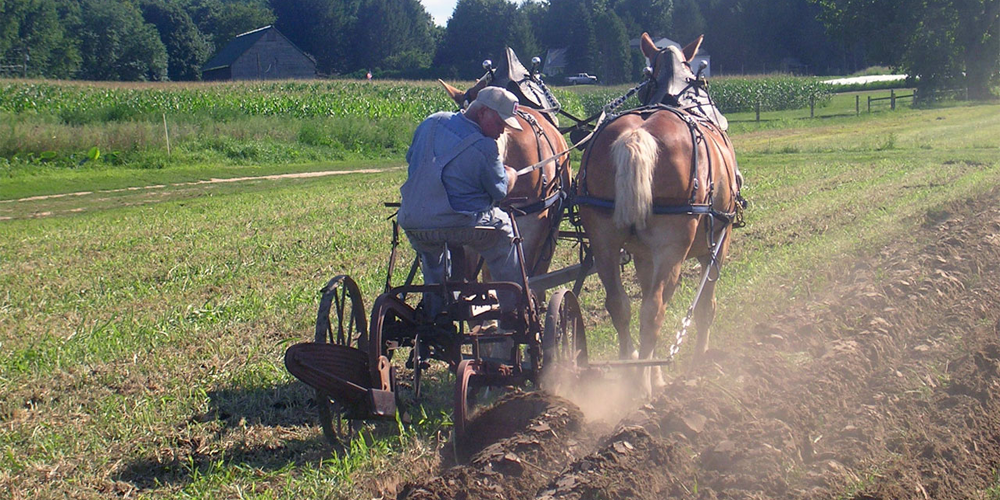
[[142, 332]]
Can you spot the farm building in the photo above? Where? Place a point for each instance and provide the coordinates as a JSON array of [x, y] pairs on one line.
[[702, 55], [261, 54], [555, 61]]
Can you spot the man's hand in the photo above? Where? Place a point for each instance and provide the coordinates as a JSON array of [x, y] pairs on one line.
[[511, 178]]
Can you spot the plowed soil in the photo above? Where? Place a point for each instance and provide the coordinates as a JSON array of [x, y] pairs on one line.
[[884, 384]]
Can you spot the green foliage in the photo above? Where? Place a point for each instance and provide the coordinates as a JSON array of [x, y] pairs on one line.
[[940, 44], [117, 44], [187, 47], [774, 93], [90, 104], [221, 21], [35, 33], [411, 44], [478, 30], [231, 123], [318, 27], [732, 94]]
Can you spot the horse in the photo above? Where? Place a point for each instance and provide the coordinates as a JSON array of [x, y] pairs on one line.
[[542, 189], [641, 177]]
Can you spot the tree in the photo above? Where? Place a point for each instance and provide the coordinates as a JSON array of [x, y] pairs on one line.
[[33, 33], [650, 16], [187, 48], [319, 27], [569, 25], [615, 62], [392, 35], [687, 22], [939, 43], [221, 22], [116, 44], [478, 30]]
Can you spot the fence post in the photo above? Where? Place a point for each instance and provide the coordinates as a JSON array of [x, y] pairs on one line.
[[857, 105], [812, 106], [892, 99], [758, 110], [869, 104], [166, 134]]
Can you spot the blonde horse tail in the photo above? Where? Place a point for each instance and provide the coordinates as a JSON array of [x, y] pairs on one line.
[[634, 157]]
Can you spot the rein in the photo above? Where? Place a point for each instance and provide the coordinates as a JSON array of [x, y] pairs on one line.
[[608, 110]]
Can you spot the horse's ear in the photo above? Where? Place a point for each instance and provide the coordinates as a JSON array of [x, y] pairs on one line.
[[648, 47], [456, 95], [692, 48]]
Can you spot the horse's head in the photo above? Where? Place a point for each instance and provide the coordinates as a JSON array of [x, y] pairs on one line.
[[671, 70]]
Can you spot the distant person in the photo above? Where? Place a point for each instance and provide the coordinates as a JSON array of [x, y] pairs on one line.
[[454, 182], [369, 75]]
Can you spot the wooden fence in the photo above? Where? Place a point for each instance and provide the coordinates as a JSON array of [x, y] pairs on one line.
[[891, 98]]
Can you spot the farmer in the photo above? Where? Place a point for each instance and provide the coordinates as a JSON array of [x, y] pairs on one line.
[[454, 182]]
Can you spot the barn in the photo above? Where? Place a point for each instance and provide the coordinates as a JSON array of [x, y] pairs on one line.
[[261, 54]]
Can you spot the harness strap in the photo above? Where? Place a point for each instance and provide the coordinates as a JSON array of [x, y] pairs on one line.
[[536, 166], [540, 205], [693, 209]]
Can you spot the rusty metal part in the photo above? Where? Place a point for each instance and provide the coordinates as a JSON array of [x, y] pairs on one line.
[[564, 343], [340, 320], [466, 371], [385, 382], [338, 371]]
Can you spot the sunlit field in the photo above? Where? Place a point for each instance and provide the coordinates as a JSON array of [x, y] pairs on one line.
[[142, 331]]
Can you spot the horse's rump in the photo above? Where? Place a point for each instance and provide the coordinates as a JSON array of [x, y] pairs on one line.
[[644, 159]]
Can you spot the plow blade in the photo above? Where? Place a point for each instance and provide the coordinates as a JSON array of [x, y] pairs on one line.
[[338, 371]]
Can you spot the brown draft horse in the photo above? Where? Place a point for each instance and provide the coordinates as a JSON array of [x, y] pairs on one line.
[[642, 161], [539, 139]]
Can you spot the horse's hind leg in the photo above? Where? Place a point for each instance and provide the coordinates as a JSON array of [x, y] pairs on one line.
[[658, 274]]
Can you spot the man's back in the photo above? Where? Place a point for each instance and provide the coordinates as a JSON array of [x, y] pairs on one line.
[[451, 150]]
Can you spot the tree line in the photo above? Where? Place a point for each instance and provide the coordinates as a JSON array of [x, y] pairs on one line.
[[946, 42]]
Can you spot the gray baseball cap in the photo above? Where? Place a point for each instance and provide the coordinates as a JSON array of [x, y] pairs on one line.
[[501, 101]]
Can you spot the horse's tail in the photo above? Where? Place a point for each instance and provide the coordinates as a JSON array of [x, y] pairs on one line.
[[634, 157]]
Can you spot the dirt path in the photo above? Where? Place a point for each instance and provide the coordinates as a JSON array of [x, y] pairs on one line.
[[34, 207], [884, 385]]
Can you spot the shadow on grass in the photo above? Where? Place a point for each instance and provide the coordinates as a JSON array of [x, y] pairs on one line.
[[248, 430]]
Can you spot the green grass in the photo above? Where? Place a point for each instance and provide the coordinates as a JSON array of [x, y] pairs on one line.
[[142, 332]]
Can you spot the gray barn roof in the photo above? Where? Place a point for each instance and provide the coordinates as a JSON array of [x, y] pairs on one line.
[[234, 49]]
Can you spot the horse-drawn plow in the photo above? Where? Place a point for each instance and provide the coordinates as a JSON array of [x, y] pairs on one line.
[[356, 360]]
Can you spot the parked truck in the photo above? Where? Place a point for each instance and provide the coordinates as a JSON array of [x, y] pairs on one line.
[[581, 79]]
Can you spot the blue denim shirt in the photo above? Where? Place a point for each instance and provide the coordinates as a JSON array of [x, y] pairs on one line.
[[475, 179]]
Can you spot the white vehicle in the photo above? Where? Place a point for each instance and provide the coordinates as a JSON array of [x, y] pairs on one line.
[[581, 79]]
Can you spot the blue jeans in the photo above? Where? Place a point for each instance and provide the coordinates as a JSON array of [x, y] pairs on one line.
[[498, 251]]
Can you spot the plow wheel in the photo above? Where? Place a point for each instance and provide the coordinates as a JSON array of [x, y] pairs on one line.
[[465, 393], [341, 320], [564, 343]]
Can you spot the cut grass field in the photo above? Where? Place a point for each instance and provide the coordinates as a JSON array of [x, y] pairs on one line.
[[141, 337]]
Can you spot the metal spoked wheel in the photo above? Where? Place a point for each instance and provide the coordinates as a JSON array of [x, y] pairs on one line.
[[340, 320], [564, 343]]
